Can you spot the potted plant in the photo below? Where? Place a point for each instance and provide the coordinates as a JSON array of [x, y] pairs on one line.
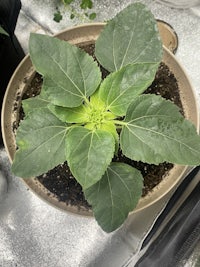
[[91, 123]]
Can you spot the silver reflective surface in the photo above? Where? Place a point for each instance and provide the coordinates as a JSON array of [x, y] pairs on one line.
[[180, 3], [34, 234]]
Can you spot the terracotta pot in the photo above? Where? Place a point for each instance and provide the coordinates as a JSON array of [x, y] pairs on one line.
[[24, 73]]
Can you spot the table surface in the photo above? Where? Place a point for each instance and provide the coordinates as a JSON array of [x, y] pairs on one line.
[[34, 234]]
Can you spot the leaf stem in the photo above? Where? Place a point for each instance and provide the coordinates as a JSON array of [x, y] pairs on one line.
[[87, 102], [123, 123]]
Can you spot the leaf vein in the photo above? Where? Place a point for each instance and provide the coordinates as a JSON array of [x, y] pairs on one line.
[[164, 135], [65, 73], [37, 148], [123, 182]]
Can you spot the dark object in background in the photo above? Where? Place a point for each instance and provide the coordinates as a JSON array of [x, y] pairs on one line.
[[11, 52], [181, 235]]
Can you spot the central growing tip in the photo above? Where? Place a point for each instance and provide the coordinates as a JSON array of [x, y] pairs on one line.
[[97, 116]]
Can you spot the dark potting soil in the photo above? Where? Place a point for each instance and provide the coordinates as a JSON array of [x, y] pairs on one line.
[[61, 182]]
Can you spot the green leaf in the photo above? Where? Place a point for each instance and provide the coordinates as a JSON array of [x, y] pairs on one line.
[[2, 31], [131, 37], [155, 132], [119, 88], [70, 115], [95, 101], [115, 195], [70, 74], [68, 2], [86, 4], [92, 16], [88, 154], [41, 144], [34, 103], [57, 16], [72, 16], [110, 127]]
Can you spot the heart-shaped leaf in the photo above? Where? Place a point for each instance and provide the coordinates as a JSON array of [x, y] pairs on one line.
[[115, 195], [41, 144], [70, 74], [119, 88], [88, 154], [132, 36], [156, 132]]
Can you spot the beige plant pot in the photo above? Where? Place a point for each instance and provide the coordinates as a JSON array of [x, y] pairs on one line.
[[24, 73]]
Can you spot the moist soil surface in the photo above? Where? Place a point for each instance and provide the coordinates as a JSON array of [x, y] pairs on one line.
[[61, 183]]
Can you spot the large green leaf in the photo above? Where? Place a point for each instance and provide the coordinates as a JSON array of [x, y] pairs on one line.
[[88, 154], [70, 74], [132, 36], [115, 195], [155, 132], [34, 103], [41, 144], [119, 88]]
